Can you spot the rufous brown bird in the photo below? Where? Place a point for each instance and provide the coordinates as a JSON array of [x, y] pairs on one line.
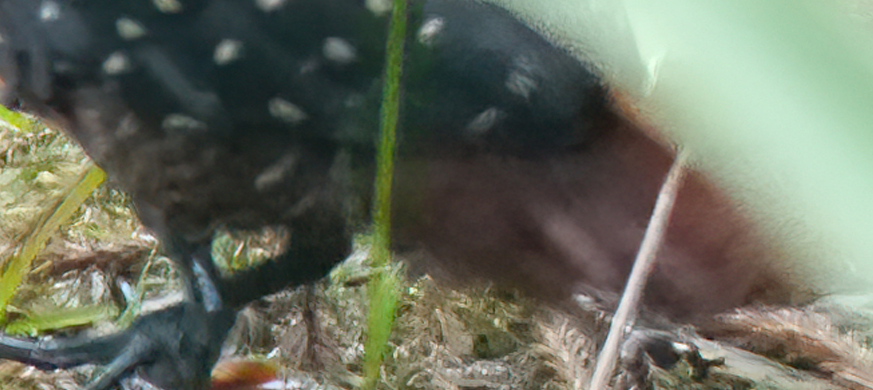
[[515, 163]]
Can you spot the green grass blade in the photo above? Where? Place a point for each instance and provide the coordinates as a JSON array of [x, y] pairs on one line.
[[18, 120], [19, 264], [383, 286], [384, 296], [388, 115], [60, 318]]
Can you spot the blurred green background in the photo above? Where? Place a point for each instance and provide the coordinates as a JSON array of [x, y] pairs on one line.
[[774, 98]]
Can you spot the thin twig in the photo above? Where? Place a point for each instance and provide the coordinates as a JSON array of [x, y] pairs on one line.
[[643, 264]]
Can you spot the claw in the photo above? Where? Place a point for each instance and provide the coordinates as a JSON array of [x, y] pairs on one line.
[[50, 354], [137, 351], [178, 346], [174, 348]]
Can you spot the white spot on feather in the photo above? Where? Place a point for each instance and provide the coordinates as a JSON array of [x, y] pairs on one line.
[[430, 29], [168, 6], [379, 7], [339, 50], [286, 111], [521, 80], [49, 11], [129, 29], [269, 5], [484, 121], [276, 172], [117, 63], [227, 51], [182, 122]]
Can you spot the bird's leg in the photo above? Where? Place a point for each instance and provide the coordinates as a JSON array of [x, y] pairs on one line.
[[199, 275], [48, 354], [174, 348], [319, 240], [185, 339]]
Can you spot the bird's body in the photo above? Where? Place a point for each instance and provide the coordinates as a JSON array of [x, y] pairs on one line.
[[513, 164]]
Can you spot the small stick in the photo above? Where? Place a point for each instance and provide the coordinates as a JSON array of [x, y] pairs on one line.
[[643, 264]]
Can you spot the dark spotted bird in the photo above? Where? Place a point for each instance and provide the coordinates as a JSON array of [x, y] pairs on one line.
[[514, 162]]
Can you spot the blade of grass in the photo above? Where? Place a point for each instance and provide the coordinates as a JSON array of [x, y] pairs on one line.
[[384, 296], [18, 120], [18, 265], [60, 318], [383, 286], [134, 303]]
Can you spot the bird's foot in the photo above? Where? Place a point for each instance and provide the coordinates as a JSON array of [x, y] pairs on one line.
[[174, 348]]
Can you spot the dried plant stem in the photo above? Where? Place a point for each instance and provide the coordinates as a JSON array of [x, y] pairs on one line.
[[643, 264]]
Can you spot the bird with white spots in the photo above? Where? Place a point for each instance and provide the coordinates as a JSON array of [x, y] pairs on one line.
[[514, 164]]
